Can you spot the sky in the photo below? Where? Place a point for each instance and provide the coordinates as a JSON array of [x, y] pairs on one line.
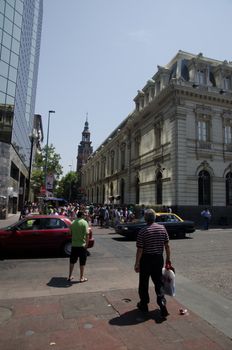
[[96, 54]]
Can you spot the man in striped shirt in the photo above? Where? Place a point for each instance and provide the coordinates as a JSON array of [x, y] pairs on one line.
[[151, 242]]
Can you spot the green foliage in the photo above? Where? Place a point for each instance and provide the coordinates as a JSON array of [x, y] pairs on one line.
[[53, 166], [68, 186]]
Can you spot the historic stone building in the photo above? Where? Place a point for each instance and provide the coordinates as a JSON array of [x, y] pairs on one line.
[[175, 148], [84, 149]]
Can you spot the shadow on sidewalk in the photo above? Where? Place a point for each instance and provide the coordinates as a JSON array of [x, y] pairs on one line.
[[135, 316], [59, 282]]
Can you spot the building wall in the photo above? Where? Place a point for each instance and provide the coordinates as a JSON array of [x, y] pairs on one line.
[[20, 35], [178, 129]]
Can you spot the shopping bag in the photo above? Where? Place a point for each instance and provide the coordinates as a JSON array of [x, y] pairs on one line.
[[169, 287]]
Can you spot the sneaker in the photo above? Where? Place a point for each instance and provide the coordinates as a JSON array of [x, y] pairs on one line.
[[142, 307]]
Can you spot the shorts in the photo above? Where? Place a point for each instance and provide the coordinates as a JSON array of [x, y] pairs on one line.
[[78, 252]]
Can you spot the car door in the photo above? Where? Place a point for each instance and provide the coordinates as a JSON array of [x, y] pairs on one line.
[[24, 236], [54, 232], [170, 222]]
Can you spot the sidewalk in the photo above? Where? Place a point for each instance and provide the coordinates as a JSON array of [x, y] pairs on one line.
[[104, 321], [84, 317]]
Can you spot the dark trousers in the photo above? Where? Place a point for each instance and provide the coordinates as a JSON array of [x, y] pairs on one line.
[[151, 266]]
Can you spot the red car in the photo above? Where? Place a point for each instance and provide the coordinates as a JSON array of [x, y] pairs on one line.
[[39, 233]]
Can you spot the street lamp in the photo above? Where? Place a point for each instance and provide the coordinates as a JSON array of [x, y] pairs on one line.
[[46, 156], [33, 137]]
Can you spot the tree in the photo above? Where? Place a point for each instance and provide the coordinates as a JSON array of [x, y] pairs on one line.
[[68, 186], [53, 166]]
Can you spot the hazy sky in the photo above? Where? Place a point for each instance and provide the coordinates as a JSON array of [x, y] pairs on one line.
[[96, 54]]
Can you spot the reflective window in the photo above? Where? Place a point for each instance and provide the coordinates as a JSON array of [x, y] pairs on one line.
[[3, 83], [228, 135], [11, 2], [6, 40], [15, 46], [14, 59], [203, 130], [9, 100], [1, 20], [2, 6], [12, 41], [16, 32], [201, 77], [8, 26], [5, 54], [2, 97], [227, 83], [9, 12], [12, 74], [18, 19], [19, 6], [11, 88]]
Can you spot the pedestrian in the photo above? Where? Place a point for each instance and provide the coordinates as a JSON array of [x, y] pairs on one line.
[[80, 240], [207, 217], [107, 217], [151, 241]]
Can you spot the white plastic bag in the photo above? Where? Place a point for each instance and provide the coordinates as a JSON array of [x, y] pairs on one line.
[[169, 287]]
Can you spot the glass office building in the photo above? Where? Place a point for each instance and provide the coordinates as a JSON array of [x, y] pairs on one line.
[[20, 36]]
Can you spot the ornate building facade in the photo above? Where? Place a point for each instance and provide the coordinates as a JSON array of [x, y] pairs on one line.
[[175, 148]]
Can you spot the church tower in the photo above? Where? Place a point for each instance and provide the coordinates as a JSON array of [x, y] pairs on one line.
[[84, 149]]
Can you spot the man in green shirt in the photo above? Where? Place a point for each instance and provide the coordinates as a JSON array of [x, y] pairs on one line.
[[80, 241]]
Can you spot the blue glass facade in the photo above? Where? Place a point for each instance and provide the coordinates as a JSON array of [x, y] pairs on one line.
[[20, 36]]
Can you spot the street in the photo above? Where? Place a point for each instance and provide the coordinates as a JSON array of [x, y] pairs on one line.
[[205, 258], [202, 262]]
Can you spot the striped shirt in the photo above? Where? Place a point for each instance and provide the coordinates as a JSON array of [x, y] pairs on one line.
[[152, 239]]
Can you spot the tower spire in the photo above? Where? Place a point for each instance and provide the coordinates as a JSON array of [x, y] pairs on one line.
[[84, 148]]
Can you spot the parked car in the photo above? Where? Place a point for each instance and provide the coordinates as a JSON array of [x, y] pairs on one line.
[[39, 233], [175, 226]]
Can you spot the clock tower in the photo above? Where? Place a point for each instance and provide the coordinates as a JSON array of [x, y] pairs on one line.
[[84, 149]]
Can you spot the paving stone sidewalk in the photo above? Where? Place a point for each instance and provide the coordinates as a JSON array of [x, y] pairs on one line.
[[104, 321]]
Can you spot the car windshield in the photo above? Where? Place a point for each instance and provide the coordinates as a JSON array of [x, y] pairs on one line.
[[167, 218]]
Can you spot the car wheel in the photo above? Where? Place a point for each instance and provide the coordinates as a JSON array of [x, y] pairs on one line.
[[181, 235], [66, 250], [1, 254]]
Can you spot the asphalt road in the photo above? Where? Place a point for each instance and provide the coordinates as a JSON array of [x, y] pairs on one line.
[[202, 261]]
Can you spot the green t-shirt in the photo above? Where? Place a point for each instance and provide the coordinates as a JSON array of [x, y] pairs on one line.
[[79, 230]]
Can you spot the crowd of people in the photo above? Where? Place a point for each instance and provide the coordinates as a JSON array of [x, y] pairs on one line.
[[96, 215]]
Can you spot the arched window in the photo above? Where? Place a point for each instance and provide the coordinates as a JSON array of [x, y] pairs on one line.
[[122, 190], [111, 189], [159, 188], [229, 188], [204, 188], [112, 162], [103, 194], [97, 201], [137, 197]]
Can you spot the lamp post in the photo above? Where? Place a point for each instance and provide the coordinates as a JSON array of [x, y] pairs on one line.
[[33, 138], [46, 156]]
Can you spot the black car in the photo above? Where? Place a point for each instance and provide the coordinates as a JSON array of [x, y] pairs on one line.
[[175, 226]]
